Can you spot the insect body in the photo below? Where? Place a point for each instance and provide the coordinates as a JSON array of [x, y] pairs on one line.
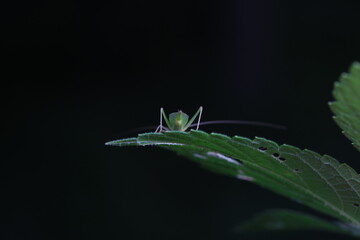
[[178, 121]]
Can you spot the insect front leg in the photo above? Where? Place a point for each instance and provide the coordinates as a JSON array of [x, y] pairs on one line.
[[161, 128], [198, 113]]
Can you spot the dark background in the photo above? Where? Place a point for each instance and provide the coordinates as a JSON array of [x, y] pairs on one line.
[[77, 74]]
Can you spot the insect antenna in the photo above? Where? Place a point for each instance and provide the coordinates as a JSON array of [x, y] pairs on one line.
[[240, 122]]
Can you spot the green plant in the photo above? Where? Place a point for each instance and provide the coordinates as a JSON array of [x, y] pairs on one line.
[[318, 181]]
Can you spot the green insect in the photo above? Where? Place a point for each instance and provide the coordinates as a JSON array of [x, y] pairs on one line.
[[178, 121]]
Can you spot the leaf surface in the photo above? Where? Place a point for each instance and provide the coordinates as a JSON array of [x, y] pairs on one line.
[[318, 181], [347, 105]]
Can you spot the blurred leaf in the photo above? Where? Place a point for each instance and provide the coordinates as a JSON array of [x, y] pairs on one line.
[[347, 105], [320, 182], [289, 220]]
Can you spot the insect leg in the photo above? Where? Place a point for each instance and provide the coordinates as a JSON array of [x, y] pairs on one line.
[[198, 124], [160, 127], [166, 121], [161, 113], [193, 118]]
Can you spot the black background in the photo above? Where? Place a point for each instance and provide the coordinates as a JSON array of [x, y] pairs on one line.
[[77, 74]]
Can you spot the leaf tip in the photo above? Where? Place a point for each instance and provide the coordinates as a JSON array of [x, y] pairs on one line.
[[111, 143]]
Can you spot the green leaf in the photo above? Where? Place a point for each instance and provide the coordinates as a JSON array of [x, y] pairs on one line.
[[289, 220], [347, 105], [320, 182]]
